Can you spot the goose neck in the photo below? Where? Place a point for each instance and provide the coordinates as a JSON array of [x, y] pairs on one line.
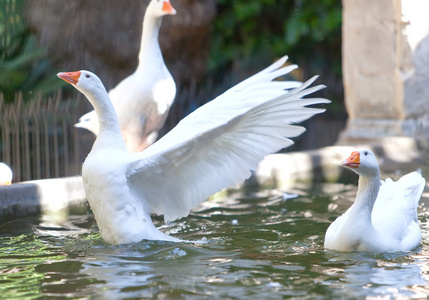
[[367, 193], [109, 134], [149, 48]]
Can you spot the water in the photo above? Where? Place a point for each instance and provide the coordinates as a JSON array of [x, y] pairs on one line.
[[259, 246]]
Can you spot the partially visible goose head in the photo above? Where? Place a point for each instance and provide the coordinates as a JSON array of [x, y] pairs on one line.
[[362, 162], [6, 174], [86, 82], [159, 8]]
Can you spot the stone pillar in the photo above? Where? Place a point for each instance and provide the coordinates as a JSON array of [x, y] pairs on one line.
[[386, 69]]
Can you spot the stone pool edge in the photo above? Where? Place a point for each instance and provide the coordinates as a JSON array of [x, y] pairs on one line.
[[283, 170], [44, 195], [280, 171]]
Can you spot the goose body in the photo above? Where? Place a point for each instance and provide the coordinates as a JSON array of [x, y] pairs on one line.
[[383, 217], [143, 99], [214, 147], [6, 174]]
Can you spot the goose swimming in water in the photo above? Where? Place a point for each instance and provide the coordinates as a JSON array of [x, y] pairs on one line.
[[383, 217]]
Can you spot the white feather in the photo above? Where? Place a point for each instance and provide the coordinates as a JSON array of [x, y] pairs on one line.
[[6, 174]]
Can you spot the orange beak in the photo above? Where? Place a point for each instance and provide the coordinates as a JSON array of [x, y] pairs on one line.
[[353, 161], [70, 77], [168, 8]]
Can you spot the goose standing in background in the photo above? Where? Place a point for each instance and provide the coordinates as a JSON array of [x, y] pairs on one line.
[[214, 147], [6, 174], [143, 99], [383, 217]]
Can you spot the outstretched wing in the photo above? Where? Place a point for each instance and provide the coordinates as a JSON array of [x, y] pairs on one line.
[[217, 145]]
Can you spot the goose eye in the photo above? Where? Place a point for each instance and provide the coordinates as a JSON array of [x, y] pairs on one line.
[[366, 153], [87, 76]]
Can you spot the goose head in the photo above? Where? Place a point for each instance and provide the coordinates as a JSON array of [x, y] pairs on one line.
[[362, 162], [159, 8], [86, 82], [5, 174]]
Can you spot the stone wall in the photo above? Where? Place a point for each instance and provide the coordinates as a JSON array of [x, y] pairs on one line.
[[386, 69]]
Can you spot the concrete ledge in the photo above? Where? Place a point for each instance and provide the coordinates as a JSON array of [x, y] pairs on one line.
[[33, 197], [286, 169], [398, 155], [275, 171]]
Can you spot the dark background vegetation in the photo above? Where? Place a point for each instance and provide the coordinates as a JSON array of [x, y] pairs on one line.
[[245, 36], [309, 32], [23, 65]]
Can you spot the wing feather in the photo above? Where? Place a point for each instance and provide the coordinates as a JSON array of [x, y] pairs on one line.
[[397, 203], [219, 144]]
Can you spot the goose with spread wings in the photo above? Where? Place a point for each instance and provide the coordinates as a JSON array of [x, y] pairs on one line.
[[214, 147]]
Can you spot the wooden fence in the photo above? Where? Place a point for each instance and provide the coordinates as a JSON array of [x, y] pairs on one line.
[[38, 139]]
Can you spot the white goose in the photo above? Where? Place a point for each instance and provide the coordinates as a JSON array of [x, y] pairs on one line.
[[214, 147], [6, 174], [143, 99], [383, 217]]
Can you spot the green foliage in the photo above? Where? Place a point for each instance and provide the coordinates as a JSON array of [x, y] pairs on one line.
[[313, 22], [245, 29], [23, 66]]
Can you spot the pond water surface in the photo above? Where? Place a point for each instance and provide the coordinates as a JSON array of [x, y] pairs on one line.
[[259, 246]]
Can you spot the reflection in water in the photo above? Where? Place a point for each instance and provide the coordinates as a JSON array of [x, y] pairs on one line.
[[146, 268], [260, 246], [116, 274], [361, 274]]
